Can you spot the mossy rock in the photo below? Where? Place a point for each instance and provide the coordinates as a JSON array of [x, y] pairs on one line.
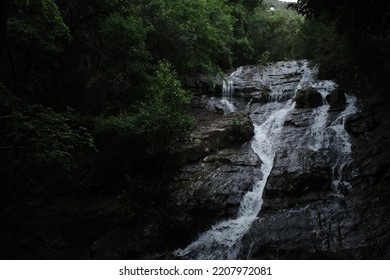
[[240, 129], [308, 98]]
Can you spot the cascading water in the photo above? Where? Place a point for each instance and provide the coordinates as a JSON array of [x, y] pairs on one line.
[[222, 241], [316, 134], [227, 97], [341, 139], [322, 135]]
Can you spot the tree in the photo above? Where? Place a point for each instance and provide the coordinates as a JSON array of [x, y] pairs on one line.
[[162, 120], [36, 36], [117, 67], [364, 27], [274, 34], [38, 142], [152, 136], [195, 36]]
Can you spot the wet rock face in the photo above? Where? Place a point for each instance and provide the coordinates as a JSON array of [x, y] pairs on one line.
[[360, 123], [298, 176], [352, 229], [320, 201], [200, 84], [213, 104], [215, 132], [211, 190], [304, 217]]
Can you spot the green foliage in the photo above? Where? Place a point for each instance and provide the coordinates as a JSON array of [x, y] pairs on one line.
[[263, 35], [98, 57], [162, 120], [264, 58], [274, 34], [38, 22], [195, 36], [243, 51], [300, 99], [121, 65], [116, 42], [123, 125], [161, 124], [51, 140], [324, 46], [362, 41], [240, 129], [36, 36], [36, 139], [242, 47]]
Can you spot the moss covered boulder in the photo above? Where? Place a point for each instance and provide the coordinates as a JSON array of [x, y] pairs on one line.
[[308, 98]]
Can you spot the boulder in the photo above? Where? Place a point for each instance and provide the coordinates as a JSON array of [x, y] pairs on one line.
[[308, 98], [201, 84], [336, 99]]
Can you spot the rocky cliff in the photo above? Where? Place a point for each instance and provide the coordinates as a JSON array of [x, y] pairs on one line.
[[303, 217]]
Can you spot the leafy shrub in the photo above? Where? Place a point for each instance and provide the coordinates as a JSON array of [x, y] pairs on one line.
[[162, 120], [36, 139], [240, 129], [161, 124]]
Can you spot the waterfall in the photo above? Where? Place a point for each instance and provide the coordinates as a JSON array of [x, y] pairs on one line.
[[227, 97], [227, 89], [342, 143], [322, 135], [222, 241]]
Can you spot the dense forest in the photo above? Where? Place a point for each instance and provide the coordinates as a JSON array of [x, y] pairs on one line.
[[74, 72], [96, 94]]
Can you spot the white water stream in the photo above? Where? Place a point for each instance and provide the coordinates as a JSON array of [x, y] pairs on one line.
[[222, 241], [227, 97]]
